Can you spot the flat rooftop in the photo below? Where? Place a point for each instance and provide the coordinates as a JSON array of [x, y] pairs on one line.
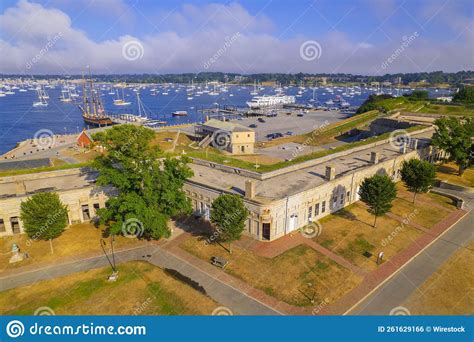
[[58, 183], [294, 182]]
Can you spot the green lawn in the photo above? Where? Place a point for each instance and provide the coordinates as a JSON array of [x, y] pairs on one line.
[[141, 289]]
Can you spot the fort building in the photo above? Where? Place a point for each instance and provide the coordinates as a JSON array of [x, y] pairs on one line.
[[279, 202]]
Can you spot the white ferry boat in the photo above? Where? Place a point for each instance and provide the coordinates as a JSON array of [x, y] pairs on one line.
[[268, 101]]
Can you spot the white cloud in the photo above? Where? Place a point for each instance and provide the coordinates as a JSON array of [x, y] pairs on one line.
[[190, 36]]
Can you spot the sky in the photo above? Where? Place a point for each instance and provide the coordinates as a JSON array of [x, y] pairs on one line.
[[368, 37]]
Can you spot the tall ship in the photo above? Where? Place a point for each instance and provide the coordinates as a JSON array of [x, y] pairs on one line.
[[92, 109], [270, 100]]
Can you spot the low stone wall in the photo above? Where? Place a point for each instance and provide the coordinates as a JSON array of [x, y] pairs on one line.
[[449, 186], [458, 200]]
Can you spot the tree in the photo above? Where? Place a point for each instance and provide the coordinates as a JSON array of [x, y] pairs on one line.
[[44, 216], [454, 136], [465, 95], [418, 175], [149, 183], [378, 192], [229, 213], [418, 95]]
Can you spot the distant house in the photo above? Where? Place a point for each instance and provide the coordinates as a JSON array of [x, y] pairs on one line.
[[227, 136], [84, 140], [445, 98]]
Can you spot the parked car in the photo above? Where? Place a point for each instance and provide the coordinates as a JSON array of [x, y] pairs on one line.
[[300, 115], [253, 126], [261, 120], [289, 133]]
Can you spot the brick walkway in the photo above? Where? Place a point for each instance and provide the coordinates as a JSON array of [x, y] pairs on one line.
[[287, 242]]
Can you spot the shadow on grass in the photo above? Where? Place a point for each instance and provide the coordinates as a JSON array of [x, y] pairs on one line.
[[184, 279]]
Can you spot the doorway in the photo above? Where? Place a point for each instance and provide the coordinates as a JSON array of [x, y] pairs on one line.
[[266, 231]]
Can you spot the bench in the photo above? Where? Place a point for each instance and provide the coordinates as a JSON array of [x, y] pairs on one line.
[[219, 262]]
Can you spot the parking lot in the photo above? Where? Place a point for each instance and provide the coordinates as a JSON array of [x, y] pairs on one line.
[[291, 123]]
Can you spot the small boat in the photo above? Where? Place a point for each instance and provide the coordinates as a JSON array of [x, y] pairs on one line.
[[121, 101], [41, 100], [180, 113]]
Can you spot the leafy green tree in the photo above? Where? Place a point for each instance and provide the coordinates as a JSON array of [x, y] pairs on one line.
[[454, 136], [418, 175], [419, 95], [44, 216], [378, 192], [149, 183], [229, 214], [465, 95]]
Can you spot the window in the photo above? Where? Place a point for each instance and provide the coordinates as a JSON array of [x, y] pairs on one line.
[[323, 207], [341, 199], [248, 135], [15, 222], [2, 226], [310, 213], [316, 209], [334, 200], [86, 216], [348, 196]]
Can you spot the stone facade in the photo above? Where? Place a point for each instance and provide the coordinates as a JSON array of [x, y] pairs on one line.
[[269, 219]]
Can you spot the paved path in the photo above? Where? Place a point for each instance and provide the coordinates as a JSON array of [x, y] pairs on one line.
[[396, 290], [227, 295]]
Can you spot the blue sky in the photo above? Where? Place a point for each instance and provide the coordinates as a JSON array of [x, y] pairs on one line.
[[358, 36]]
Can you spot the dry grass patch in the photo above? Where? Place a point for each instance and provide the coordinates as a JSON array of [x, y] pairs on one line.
[[349, 233], [450, 290], [80, 155], [295, 277], [449, 173], [419, 213], [141, 289], [259, 159], [165, 140], [77, 241], [426, 199]]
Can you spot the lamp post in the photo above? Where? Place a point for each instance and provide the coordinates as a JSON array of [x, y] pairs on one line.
[[114, 275]]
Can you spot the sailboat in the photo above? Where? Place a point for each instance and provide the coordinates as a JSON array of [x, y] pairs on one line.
[[314, 93], [254, 92], [65, 95], [120, 101], [41, 100], [93, 112]]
